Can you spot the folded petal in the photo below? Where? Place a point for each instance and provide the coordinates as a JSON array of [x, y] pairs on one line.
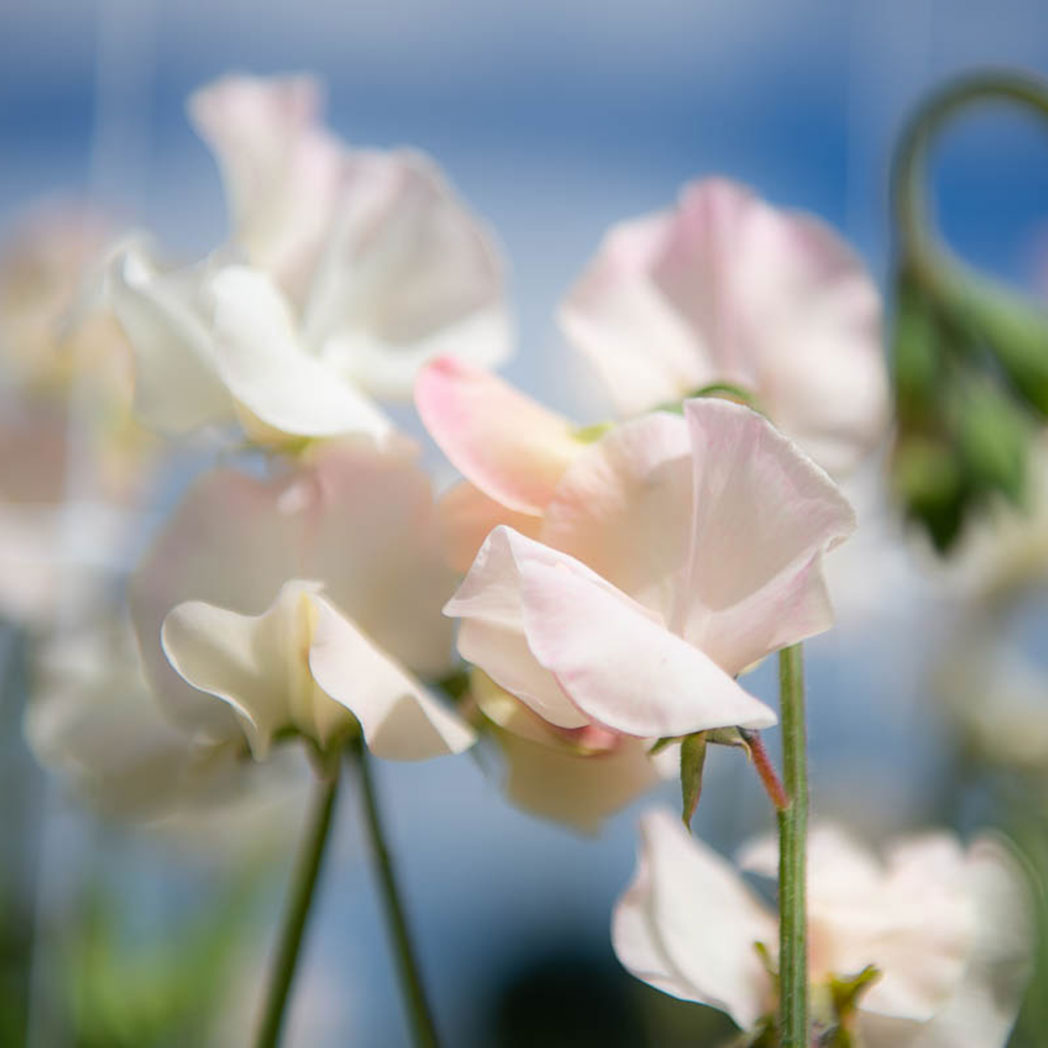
[[281, 168], [409, 273], [226, 544], [258, 664], [400, 719], [624, 508], [177, 385], [359, 521], [268, 369], [620, 667], [687, 925], [507, 444], [492, 632], [763, 516]]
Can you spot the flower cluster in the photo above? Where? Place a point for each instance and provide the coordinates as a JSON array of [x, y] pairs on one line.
[[611, 584]]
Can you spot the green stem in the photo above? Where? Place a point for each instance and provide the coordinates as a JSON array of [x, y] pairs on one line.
[[422, 1024], [919, 243], [794, 1027], [303, 887]]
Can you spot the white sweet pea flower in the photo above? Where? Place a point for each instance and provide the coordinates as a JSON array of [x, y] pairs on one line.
[[216, 342], [725, 288], [302, 603], [947, 929], [359, 266]]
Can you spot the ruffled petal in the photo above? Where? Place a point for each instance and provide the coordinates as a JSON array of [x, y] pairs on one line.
[[281, 168], [763, 516], [408, 274], [624, 508]]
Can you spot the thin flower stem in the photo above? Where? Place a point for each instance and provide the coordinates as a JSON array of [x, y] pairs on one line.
[[794, 1027], [919, 244], [422, 1024], [303, 888]]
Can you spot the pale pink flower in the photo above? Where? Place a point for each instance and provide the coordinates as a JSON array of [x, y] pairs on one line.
[[302, 602], [725, 288], [675, 553], [947, 929]]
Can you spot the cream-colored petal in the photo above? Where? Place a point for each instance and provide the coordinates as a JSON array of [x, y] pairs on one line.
[[281, 169], [266, 367], [400, 719], [258, 664], [177, 384], [408, 274], [687, 925]]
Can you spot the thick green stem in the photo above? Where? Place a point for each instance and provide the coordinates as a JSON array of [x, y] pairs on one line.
[[919, 244], [794, 1026], [422, 1024], [303, 886]]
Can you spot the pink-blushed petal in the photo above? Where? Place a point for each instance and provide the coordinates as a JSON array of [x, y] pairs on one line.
[[620, 667], [258, 664], [508, 445], [371, 536], [492, 632], [618, 317], [624, 508], [399, 718], [177, 385], [409, 273], [281, 168], [726, 288], [267, 368], [687, 924], [812, 318], [467, 517], [763, 516]]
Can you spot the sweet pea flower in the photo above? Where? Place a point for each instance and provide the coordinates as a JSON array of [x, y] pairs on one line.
[[576, 777], [357, 267], [675, 553], [303, 603], [725, 288], [947, 930]]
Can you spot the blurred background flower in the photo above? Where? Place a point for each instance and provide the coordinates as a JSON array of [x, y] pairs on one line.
[[554, 122]]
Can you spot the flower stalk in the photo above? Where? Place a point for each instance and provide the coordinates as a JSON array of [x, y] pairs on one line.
[[303, 889], [423, 1027], [794, 1023]]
